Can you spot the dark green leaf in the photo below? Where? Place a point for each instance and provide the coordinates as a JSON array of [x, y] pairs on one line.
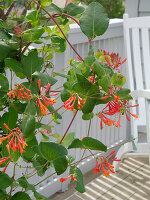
[[118, 80], [93, 144], [28, 125], [45, 79], [20, 196], [65, 95], [4, 84], [29, 150], [59, 43], [104, 82], [94, 22], [60, 165], [89, 60], [3, 195], [5, 180], [51, 151], [82, 86], [4, 35], [14, 65], [76, 143], [88, 143], [79, 176], [89, 105], [73, 9], [9, 118], [98, 69], [5, 50], [87, 116], [31, 63], [30, 108], [24, 184], [123, 92], [33, 34]]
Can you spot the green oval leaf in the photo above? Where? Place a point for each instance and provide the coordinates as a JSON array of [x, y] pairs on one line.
[[79, 176], [20, 195], [94, 22], [93, 144], [45, 79], [5, 180], [14, 65], [88, 143], [76, 143], [98, 69], [31, 63], [4, 85], [33, 34], [28, 125], [60, 165], [51, 151], [72, 9], [118, 80]]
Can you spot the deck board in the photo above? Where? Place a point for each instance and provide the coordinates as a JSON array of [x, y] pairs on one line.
[[131, 182]]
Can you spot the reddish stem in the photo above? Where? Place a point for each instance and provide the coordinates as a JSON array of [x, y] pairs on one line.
[[26, 47], [69, 16], [59, 29], [69, 126]]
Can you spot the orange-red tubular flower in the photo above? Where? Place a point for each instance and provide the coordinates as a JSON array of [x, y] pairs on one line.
[[44, 97], [105, 165], [20, 91], [43, 109], [15, 140], [96, 169], [69, 104], [71, 176]]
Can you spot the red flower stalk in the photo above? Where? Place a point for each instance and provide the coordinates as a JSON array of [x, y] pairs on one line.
[[69, 104], [15, 140], [45, 131], [47, 101], [96, 169], [71, 176], [20, 91], [18, 31]]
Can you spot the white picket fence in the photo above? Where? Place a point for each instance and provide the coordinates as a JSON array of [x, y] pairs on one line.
[[111, 41]]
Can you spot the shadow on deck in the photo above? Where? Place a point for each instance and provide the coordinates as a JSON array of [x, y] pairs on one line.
[[132, 181]]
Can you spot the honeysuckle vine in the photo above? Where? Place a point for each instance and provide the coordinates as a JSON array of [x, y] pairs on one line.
[[88, 82]]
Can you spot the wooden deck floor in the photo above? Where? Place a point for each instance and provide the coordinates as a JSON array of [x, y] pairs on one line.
[[132, 182]]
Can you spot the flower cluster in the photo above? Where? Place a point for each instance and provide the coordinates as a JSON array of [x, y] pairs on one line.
[[104, 164], [20, 91], [69, 104], [47, 101], [72, 176], [15, 140], [113, 60], [115, 107]]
